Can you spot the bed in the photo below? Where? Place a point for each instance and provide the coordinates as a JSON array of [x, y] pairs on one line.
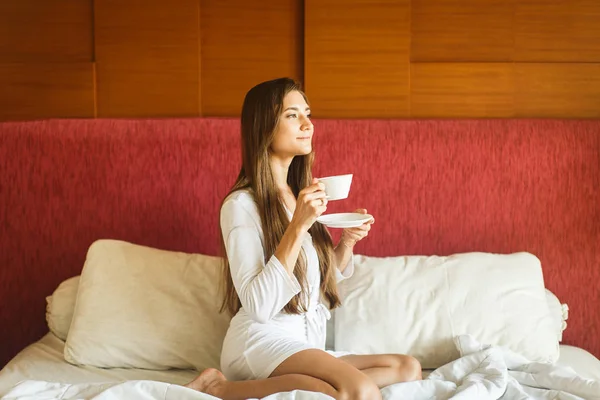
[[44, 360]]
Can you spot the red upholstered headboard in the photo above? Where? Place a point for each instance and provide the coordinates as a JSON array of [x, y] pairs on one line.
[[435, 187]]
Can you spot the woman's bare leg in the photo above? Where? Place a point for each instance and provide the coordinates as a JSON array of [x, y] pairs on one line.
[[310, 370], [212, 381], [386, 369], [348, 381]]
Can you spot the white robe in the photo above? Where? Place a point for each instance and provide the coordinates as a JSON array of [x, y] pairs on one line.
[[261, 336]]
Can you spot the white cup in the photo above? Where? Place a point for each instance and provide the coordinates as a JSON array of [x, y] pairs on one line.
[[337, 187]]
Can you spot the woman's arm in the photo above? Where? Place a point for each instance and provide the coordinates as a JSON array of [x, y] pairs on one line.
[[343, 253], [310, 204], [288, 250], [263, 288], [343, 258]]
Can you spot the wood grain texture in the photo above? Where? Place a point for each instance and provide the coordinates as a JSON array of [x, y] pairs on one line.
[[356, 63], [462, 30], [243, 44], [557, 31], [49, 30], [44, 90], [461, 90], [562, 90], [147, 54], [180, 58]]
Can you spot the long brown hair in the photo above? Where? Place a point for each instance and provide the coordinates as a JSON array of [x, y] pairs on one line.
[[260, 115]]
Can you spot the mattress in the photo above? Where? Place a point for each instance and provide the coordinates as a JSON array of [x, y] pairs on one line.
[[43, 360]]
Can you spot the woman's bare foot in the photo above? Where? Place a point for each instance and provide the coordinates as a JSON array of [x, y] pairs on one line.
[[210, 381]]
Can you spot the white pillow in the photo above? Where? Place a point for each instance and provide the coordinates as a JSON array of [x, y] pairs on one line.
[[416, 305], [139, 307], [60, 305]]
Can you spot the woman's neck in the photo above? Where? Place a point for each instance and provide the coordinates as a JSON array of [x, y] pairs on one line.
[[280, 168]]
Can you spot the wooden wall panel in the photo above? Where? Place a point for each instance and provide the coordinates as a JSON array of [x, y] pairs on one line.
[[356, 58], [49, 30], [147, 54], [561, 90], [179, 58], [557, 30], [460, 90], [245, 43], [46, 90], [462, 30]]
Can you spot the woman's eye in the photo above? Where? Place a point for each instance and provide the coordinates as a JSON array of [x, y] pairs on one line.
[[292, 116], [308, 115]]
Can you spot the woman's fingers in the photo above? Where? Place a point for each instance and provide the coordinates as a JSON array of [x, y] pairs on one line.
[[315, 196], [359, 232], [313, 188], [355, 236], [319, 202], [362, 228]]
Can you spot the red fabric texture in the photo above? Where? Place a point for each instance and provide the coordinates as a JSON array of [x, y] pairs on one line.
[[434, 187]]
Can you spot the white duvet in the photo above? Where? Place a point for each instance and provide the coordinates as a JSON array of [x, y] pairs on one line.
[[481, 373]]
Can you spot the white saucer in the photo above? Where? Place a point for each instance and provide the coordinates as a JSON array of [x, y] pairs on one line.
[[344, 220]]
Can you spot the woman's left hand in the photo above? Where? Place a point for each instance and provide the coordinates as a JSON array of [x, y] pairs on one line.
[[351, 236]]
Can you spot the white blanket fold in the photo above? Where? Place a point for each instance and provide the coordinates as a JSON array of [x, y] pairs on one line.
[[481, 373]]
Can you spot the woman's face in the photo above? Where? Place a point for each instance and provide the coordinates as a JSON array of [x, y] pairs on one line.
[[293, 133]]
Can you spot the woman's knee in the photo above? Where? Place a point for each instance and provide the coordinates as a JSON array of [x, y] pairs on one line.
[[409, 368], [362, 388]]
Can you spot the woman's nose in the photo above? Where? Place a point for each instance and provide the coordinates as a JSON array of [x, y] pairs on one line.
[[306, 124]]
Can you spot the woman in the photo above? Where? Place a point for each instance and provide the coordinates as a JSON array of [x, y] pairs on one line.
[[281, 263]]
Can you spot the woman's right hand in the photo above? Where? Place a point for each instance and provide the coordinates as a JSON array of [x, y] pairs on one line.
[[311, 203]]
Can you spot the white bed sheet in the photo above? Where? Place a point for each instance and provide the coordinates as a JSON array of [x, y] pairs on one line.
[[43, 360]]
